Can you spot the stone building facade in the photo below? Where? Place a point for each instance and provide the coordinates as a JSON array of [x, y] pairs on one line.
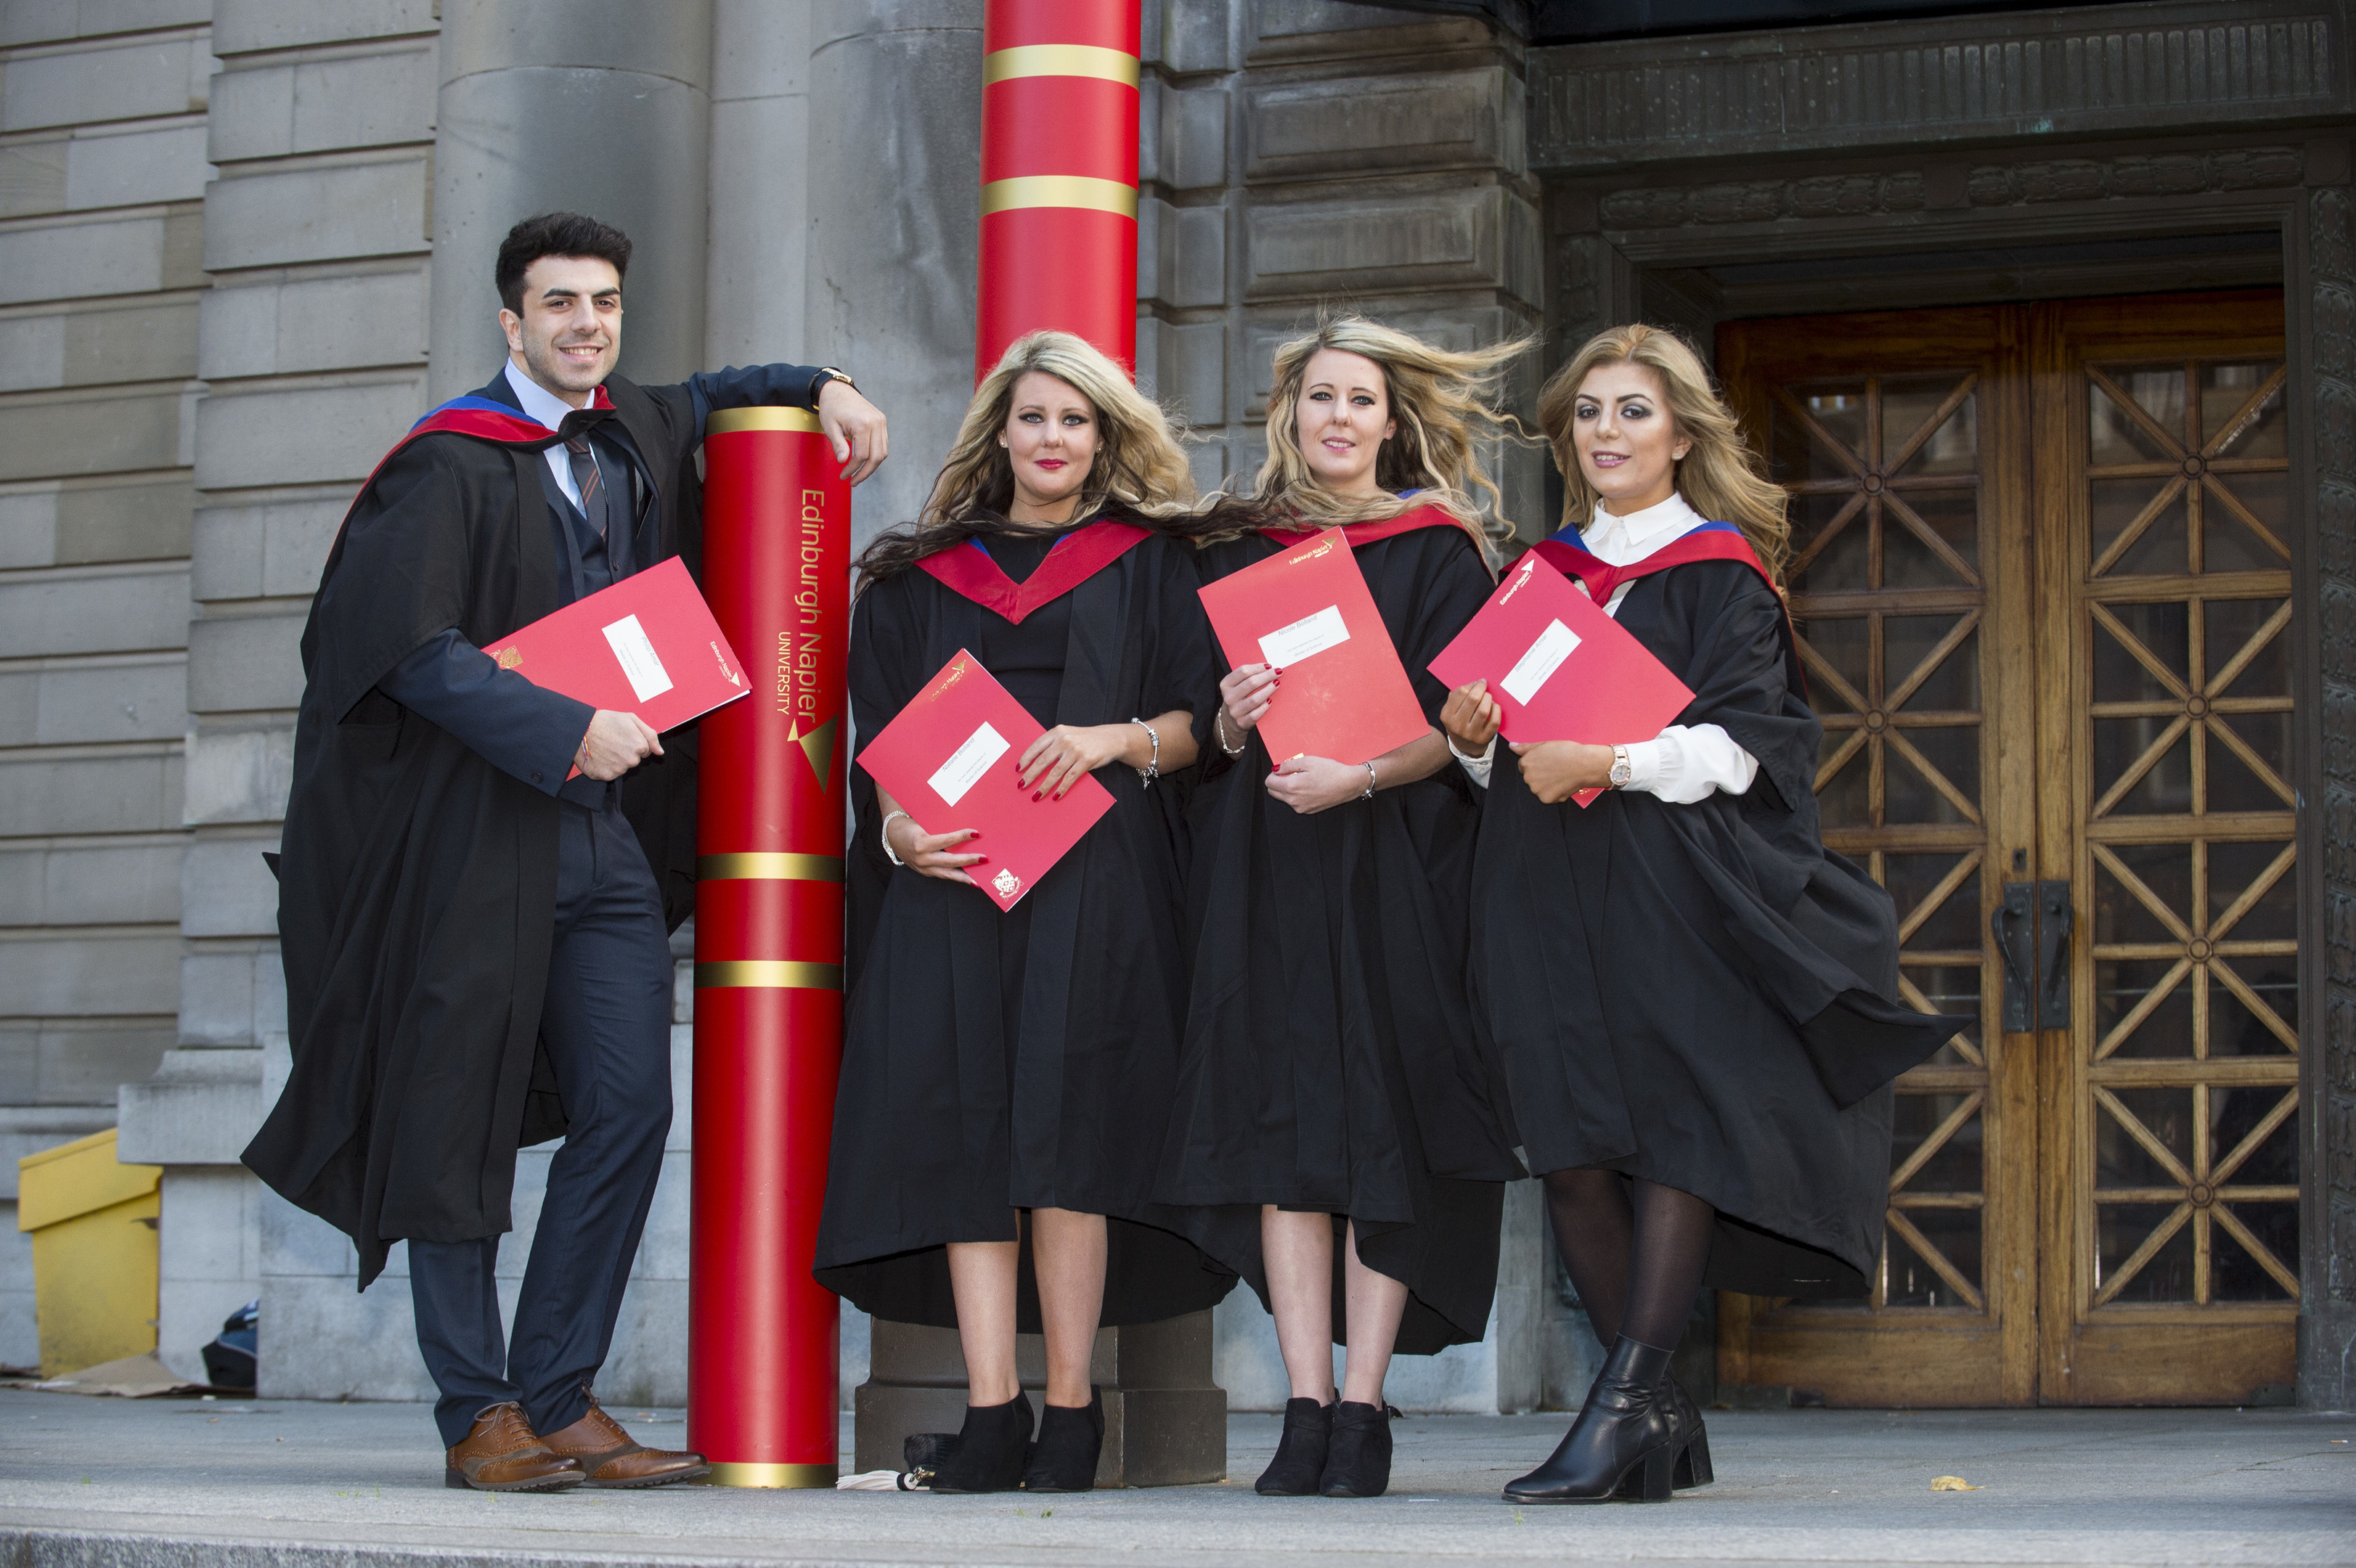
[[243, 243]]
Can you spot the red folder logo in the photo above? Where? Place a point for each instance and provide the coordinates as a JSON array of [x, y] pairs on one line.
[[1007, 883]]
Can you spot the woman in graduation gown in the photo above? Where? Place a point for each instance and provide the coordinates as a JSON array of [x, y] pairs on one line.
[[1695, 1002], [1011, 1072], [1329, 1081]]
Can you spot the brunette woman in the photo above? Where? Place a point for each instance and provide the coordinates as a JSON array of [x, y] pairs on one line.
[[1695, 1002], [1330, 1092], [1006, 1073]]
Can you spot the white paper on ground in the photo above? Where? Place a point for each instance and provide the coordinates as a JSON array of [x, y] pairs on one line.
[[1545, 657], [1310, 635], [968, 763], [628, 640]]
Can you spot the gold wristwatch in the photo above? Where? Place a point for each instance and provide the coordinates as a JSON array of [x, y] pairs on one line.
[[1622, 771]]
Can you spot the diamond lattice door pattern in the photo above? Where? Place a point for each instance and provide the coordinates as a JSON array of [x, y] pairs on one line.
[[2041, 583]]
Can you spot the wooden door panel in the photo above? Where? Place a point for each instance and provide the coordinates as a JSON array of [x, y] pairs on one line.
[[1890, 432], [2171, 1247]]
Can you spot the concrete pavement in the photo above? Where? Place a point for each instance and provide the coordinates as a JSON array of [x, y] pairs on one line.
[[191, 1484]]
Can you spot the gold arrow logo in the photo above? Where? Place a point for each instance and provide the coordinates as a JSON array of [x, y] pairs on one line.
[[817, 745]]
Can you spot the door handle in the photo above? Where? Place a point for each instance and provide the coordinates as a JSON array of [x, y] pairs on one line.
[[2014, 924], [2055, 915], [2032, 933]]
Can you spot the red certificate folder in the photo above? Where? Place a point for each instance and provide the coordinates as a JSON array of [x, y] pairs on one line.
[[949, 760], [646, 645], [1560, 667], [1307, 612]]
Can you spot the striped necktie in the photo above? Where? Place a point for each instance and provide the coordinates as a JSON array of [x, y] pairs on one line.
[[587, 478]]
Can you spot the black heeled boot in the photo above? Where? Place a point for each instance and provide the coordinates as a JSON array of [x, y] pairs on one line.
[[1358, 1458], [1622, 1433], [1070, 1439], [1691, 1438], [990, 1449], [1299, 1467]]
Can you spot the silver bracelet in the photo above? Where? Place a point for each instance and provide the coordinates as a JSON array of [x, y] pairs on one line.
[[1152, 769], [886, 837], [1371, 783], [1238, 749]]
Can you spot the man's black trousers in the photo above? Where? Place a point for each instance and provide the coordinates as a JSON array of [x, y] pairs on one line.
[[606, 1023]]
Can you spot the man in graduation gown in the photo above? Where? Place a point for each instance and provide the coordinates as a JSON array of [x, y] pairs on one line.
[[476, 942]]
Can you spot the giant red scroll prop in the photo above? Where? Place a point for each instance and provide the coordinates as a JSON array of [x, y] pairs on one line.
[[1058, 174], [761, 1354]]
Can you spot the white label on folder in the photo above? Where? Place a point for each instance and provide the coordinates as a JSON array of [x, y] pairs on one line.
[[1310, 635], [647, 677], [1545, 655], [968, 763]]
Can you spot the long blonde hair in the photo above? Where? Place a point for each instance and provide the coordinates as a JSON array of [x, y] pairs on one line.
[[1137, 470], [1720, 475], [1442, 400], [1138, 462]]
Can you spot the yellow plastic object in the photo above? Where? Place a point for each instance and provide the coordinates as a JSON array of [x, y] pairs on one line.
[[93, 1224]]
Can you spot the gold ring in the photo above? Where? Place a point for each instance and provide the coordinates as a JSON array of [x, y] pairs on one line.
[[1059, 59], [768, 416], [768, 974], [754, 865], [1058, 190], [748, 1474]]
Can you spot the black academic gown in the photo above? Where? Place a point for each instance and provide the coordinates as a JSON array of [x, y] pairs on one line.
[[997, 1061], [1330, 1063], [1701, 995], [417, 883]]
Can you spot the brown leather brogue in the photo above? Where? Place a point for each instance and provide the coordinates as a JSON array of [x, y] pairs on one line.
[[610, 1458], [503, 1454]]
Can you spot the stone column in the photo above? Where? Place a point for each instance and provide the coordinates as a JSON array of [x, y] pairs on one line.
[[2323, 345], [595, 106], [895, 168], [761, 158]]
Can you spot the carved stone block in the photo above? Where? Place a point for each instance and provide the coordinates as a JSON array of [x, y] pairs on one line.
[[1483, 238], [1365, 125]]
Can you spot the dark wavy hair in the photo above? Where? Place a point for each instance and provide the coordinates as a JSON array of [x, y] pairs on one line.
[[555, 234]]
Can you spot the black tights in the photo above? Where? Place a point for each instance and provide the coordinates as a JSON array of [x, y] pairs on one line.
[[1637, 1266]]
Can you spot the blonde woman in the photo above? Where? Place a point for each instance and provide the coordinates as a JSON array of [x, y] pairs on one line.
[[1334, 1127], [1694, 1002], [1009, 1073]]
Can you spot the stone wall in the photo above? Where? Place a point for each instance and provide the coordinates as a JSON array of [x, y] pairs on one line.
[[102, 174], [311, 343]]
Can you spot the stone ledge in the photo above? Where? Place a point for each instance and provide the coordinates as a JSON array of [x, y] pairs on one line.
[[201, 1107]]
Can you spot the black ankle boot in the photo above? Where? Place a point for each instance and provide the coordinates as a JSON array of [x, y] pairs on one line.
[[1065, 1457], [989, 1448], [1622, 1432], [1358, 1460], [1300, 1464], [1692, 1439]]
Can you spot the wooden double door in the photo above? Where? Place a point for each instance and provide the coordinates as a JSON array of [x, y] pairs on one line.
[[2042, 576]]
